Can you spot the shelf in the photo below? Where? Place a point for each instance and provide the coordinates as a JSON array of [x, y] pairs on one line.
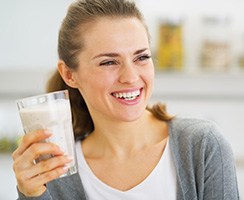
[[225, 86], [19, 83], [202, 86]]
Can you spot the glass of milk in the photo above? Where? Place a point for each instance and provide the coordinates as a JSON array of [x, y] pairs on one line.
[[52, 112]]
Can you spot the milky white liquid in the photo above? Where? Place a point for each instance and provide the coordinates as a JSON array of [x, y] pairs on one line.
[[55, 116]]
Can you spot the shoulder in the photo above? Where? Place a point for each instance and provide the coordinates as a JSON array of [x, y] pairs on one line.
[[189, 134], [194, 129], [200, 151], [190, 125]]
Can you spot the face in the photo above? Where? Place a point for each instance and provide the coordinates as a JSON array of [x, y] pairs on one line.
[[116, 72]]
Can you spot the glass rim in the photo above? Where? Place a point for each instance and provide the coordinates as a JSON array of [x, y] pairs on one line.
[[41, 95], [42, 98]]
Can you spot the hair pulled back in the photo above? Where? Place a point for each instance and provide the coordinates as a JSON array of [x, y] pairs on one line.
[[70, 44]]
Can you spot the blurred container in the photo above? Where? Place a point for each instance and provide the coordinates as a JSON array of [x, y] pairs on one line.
[[170, 45], [216, 47], [241, 55], [241, 61]]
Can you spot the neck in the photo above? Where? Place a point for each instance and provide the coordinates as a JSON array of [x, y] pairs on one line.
[[123, 139]]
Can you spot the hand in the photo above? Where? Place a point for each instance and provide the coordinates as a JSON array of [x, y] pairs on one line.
[[31, 178]]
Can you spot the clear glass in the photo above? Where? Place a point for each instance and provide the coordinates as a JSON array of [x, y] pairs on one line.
[[52, 112]]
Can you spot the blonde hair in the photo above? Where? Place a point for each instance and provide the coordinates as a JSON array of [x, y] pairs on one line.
[[79, 15]]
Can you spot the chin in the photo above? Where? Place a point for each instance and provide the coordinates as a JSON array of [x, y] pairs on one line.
[[131, 117]]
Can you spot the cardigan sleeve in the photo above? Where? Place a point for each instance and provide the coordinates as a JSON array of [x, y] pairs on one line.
[[45, 196], [220, 181], [203, 159]]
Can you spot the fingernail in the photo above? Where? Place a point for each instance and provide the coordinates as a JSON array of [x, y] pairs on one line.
[[48, 133], [70, 158], [65, 168], [61, 150]]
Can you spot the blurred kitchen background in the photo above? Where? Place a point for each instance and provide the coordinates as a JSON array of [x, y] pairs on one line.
[[198, 49]]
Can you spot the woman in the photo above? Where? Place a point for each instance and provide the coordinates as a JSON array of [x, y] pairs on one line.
[[125, 150]]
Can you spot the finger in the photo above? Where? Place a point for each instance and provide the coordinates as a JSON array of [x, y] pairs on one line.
[[32, 180], [28, 139], [48, 165], [33, 152], [46, 177]]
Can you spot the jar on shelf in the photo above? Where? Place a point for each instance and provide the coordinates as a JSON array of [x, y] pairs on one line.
[[241, 54], [241, 61], [169, 52], [216, 44]]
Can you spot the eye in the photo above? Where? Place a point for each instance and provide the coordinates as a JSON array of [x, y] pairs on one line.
[[143, 57], [107, 63]]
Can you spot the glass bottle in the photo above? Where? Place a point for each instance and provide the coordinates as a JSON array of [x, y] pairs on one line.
[[170, 45], [215, 49]]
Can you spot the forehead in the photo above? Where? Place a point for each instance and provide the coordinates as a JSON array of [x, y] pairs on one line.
[[115, 32]]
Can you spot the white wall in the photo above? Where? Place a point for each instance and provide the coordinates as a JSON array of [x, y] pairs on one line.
[[28, 32]]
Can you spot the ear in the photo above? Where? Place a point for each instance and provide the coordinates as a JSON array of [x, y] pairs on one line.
[[67, 74]]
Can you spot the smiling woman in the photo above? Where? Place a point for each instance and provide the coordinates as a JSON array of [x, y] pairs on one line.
[[114, 61], [101, 57], [125, 150]]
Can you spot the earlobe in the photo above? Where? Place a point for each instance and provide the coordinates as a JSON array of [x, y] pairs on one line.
[[67, 74]]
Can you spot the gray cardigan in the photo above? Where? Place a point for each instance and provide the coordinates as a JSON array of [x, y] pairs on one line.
[[203, 159]]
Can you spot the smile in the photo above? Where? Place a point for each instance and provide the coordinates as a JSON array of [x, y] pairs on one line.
[[128, 96]]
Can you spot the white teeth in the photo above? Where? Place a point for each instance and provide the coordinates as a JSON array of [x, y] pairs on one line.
[[127, 96]]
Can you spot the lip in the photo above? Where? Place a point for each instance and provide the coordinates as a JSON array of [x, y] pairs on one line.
[[128, 102], [127, 90]]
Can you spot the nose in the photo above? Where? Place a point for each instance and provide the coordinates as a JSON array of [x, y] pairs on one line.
[[128, 73]]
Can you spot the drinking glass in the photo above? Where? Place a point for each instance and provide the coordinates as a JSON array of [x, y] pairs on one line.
[[52, 112]]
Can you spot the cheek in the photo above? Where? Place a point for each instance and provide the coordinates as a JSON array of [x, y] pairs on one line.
[[95, 84], [149, 74]]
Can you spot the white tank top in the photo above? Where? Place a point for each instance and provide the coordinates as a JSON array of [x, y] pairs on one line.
[[159, 185]]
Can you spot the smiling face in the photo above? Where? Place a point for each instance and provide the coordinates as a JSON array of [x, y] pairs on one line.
[[115, 73]]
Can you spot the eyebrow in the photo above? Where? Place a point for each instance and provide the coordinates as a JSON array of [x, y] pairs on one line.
[[140, 51], [116, 54]]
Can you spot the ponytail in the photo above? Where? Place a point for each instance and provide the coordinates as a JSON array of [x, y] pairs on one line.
[[81, 119]]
